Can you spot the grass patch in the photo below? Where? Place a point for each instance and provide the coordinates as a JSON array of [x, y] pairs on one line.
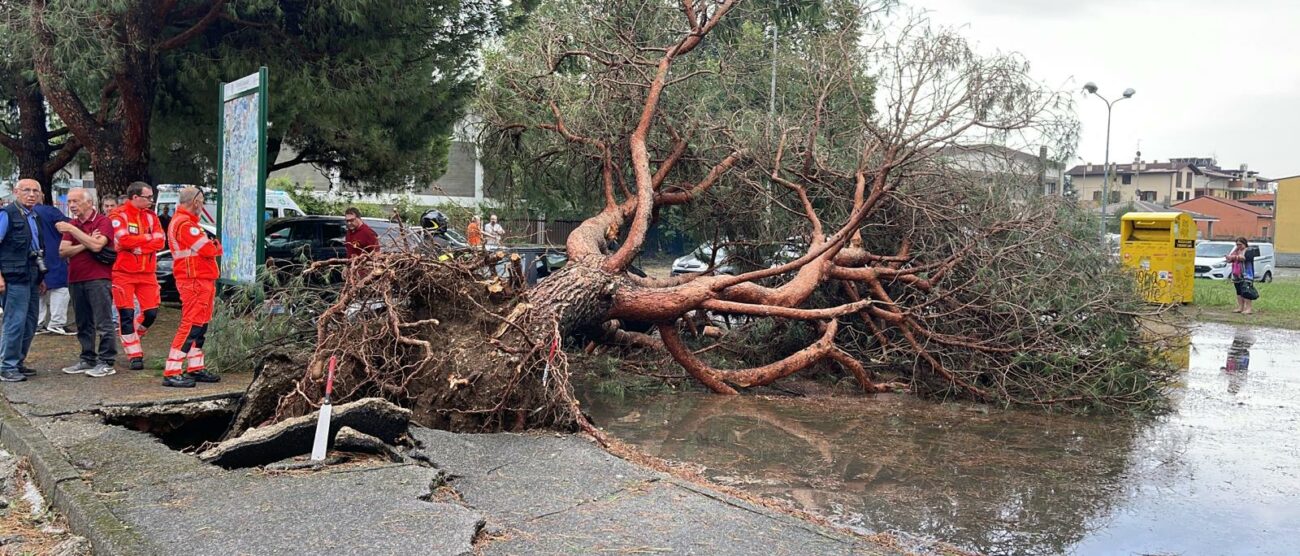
[[1278, 304]]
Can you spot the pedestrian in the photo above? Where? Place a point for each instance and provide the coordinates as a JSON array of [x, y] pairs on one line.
[[137, 239], [85, 245], [166, 218], [474, 232], [1242, 259], [493, 232], [52, 317], [108, 204], [194, 257], [359, 237], [22, 264]]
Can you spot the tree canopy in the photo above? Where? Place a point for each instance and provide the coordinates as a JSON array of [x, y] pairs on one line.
[[370, 88]]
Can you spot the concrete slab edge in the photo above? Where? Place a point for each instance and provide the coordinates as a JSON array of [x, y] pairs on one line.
[[66, 490]]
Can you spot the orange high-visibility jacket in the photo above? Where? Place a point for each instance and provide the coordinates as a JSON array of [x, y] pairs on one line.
[[194, 254], [137, 237]]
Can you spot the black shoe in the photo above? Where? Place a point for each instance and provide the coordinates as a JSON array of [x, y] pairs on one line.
[[137, 364], [12, 376], [25, 371], [178, 381], [203, 376]]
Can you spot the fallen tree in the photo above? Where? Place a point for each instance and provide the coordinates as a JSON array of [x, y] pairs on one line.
[[913, 256]]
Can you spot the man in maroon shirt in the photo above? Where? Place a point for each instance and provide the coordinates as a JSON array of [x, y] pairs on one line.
[[91, 284], [360, 238]]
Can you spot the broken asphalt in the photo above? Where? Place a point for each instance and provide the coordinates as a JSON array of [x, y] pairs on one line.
[[129, 493]]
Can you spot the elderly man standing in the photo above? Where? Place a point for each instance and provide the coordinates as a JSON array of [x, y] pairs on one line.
[[90, 279], [137, 237], [195, 266], [22, 267]]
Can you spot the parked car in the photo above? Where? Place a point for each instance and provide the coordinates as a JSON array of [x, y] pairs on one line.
[[699, 260], [1210, 263], [291, 241]]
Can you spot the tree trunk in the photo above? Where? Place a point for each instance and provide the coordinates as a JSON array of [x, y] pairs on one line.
[[115, 169], [38, 159]]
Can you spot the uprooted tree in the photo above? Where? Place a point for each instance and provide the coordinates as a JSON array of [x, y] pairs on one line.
[[912, 256]]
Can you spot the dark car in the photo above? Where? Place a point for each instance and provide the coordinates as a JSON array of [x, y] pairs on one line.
[[293, 240]]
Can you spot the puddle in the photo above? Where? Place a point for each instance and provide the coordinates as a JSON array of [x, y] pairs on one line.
[[1221, 474]]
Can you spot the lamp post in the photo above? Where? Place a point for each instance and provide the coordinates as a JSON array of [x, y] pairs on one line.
[[1091, 88]]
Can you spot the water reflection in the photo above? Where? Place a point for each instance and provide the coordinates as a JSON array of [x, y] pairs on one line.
[[1237, 365], [1217, 476]]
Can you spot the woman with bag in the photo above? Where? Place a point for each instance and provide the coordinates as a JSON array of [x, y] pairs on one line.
[[1242, 259]]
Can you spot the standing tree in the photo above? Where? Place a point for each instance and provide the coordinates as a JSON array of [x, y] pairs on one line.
[[366, 88], [38, 152], [909, 259], [371, 96]]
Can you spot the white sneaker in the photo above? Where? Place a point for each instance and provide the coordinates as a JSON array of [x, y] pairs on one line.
[[60, 331], [101, 370], [40, 331], [79, 368]]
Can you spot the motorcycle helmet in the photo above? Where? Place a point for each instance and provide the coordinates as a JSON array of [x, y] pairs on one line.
[[433, 220]]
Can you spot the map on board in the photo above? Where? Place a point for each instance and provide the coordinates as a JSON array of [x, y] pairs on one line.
[[241, 188]]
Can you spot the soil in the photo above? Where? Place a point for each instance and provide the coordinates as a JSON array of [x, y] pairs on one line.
[[24, 531]]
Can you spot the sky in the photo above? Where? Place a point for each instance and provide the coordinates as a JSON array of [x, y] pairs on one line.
[[1213, 77]]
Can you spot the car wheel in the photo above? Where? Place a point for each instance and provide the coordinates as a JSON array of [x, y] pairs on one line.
[[1268, 276]]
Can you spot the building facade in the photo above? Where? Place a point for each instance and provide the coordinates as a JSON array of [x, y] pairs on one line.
[[1286, 238], [1167, 183], [1235, 219]]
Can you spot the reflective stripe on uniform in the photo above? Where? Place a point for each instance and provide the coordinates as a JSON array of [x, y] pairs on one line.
[[192, 251], [131, 344], [175, 359], [195, 360]]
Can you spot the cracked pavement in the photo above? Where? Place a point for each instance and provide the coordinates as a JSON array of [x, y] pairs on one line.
[[459, 494]]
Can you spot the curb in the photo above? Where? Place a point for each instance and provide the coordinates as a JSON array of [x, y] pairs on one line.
[[65, 488]]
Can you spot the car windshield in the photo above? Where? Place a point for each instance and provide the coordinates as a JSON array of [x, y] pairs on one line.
[[1213, 249]]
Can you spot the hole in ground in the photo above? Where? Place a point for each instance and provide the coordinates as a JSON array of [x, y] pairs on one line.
[[181, 426]]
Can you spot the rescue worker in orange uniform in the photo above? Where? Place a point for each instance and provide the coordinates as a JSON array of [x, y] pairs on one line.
[[194, 257], [137, 237]]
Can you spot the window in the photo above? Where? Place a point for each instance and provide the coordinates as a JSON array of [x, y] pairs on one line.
[[1096, 196], [1126, 179], [1179, 180], [1264, 231], [333, 232]]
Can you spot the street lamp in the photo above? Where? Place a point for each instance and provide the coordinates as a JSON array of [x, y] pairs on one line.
[[1091, 88]]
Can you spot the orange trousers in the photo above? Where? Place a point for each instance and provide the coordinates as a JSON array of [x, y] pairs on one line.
[[197, 298], [128, 289]]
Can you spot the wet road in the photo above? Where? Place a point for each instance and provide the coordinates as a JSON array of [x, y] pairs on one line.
[[1220, 475]]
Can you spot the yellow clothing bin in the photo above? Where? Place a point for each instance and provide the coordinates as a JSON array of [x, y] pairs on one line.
[[1160, 247]]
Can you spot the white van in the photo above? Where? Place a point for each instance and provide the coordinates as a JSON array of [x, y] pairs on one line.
[[278, 203], [1210, 263]]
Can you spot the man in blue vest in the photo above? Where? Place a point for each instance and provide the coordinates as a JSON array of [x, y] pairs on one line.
[[22, 267]]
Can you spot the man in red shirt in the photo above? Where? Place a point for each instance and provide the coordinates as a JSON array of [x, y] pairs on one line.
[[90, 282], [360, 238], [137, 237], [195, 266]]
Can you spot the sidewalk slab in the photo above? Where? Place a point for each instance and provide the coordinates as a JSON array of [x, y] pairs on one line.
[[505, 493]]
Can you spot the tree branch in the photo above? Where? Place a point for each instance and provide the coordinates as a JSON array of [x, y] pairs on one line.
[[202, 24]]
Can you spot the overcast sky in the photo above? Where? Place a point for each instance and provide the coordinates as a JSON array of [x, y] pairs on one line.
[[1213, 77]]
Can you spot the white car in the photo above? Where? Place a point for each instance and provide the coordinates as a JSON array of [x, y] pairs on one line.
[[699, 259], [1210, 263]]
